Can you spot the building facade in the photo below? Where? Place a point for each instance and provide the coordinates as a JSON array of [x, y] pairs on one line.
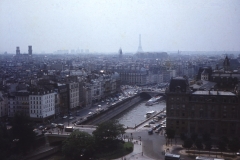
[[213, 112]]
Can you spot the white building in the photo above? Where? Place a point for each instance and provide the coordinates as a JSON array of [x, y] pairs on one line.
[[42, 105]]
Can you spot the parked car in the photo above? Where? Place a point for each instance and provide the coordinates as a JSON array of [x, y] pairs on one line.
[[147, 125], [64, 117], [90, 113], [151, 122], [54, 125], [150, 131], [48, 127], [158, 130], [40, 127], [44, 131], [60, 125], [71, 117]]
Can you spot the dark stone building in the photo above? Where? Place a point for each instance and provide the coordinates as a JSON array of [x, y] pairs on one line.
[[205, 111]]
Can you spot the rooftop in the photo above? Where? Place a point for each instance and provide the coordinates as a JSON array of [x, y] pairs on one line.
[[213, 93]]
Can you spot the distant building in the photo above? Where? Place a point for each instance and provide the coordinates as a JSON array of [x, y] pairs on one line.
[[30, 50], [140, 50], [120, 53]]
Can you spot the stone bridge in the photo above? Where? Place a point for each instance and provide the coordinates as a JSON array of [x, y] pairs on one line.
[[150, 94], [55, 138]]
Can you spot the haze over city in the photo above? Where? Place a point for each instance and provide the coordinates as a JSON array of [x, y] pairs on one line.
[[105, 26]]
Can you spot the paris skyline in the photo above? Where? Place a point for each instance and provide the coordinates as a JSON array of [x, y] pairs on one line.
[[105, 26]]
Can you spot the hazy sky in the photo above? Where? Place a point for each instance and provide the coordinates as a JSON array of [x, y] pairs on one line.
[[107, 25]]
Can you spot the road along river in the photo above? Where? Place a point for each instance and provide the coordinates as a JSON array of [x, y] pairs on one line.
[[136, 114]]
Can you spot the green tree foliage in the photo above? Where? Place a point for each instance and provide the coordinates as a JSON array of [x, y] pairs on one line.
[[234, 145], [79, 145], [182, 136], [106, 134], [198, 143], [5, 142], [208, 145], [22, 132], [206, 137], [170, 134], [187, 143], [194, 136], [224, 139], [221, 145]]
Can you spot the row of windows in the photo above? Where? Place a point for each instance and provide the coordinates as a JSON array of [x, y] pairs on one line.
[[40, 111], [201, 114], [39, 98]]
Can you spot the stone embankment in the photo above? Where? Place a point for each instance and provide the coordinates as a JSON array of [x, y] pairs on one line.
[[113, 111]]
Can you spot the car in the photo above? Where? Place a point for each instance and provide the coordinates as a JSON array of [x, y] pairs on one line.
[[155, 119], [151, 122], [158, 130], [74, 121], [48, 127], [54, 125], [40, 127], [71, 117], [61, 126], [90, 113], [44, 131], [64, 117], [238, 153], [147, 125], [150, 131]]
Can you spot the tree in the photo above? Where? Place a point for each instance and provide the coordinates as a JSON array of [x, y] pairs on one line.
[[198, 143], [194, 136], [5, 142], [182, 136], [187, 143], [208, 146], [106, 134], [234, 145], [206, 137], [22, 132], [221, 145], [79, 145], [170, 134]]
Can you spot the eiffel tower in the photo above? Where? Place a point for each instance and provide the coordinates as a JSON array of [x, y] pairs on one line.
[[140, 46]]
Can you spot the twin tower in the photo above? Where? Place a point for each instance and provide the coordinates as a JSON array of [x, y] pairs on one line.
[[29, 50]]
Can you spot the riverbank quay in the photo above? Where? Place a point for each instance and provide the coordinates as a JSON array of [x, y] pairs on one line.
[[112, 111]]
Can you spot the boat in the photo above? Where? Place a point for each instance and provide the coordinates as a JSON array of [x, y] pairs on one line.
[[148, 114], [153, 101]]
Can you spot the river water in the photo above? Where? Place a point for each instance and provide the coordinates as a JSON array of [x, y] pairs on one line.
[[136, 114]]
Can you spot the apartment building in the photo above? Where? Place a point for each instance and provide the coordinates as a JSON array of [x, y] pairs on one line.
[[42, 105]]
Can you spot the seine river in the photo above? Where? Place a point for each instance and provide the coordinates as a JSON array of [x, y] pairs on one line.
[[136, 114]]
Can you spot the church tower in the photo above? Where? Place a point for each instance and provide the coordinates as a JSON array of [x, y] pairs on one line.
[[120, 53], [226, 64]]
